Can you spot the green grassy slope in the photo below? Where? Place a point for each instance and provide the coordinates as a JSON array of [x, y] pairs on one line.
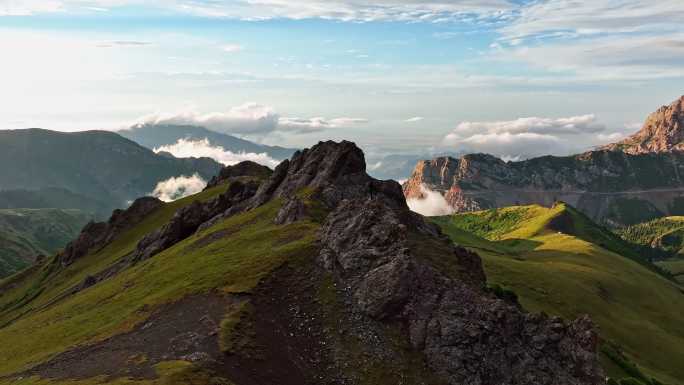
[[26, 233], [559, 262], [675, 266], [232, 263]]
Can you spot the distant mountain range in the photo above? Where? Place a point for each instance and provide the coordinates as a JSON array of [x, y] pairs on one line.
[[156, 135], [632, 181], [105, 168]]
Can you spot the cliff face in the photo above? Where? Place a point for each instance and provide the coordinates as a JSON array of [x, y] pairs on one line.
[[663, 131], [624, 183]]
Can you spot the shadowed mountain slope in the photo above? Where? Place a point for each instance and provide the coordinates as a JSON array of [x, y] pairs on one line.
[[156, 135], [99, 165]]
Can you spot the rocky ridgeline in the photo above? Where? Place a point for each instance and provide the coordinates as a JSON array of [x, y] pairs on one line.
[[242, 169], [466, 335], [368, 245], [619, 184], [96, 235]]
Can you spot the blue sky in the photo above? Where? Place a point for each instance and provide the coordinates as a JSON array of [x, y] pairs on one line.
[[514, 78]]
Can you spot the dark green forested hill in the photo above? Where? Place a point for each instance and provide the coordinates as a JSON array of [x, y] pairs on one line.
[[665, 234], [27, 233], [101, 166]]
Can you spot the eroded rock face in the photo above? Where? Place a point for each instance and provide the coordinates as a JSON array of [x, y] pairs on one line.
[[97, 235], [663, 131], [605, 185], [466, 335], [642, 175]]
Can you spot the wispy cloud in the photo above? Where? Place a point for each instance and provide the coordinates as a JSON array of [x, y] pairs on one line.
[[597, 41], [250, 119], [526, 137], [346, 10], [123, 43], [300, 125], [414, 119], [568, 18]]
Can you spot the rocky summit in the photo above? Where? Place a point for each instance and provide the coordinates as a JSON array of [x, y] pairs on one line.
[[663, 131], [314, 274], [617, 185]]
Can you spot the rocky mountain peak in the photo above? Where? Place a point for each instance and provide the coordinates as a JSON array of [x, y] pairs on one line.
[[336, 171], [242, 169], [663, 131]]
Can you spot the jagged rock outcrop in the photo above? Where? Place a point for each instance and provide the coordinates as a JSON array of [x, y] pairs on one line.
[[246, 168], [335, 171], [385, 258], [96, 235], [188, 219], [663, 131]]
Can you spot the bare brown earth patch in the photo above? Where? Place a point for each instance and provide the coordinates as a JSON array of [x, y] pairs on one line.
[[183, 330], [289, 343]]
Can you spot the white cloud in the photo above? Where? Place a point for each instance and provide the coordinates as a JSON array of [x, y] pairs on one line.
[[346, 10], [526, 137], [572, 18], [349, 10], [605, 58], [250, 119], [508, 145], [178, 187], [414, 119], [573, 125], [600, 40], [307, 125], [232, 48], [28, 7], [432, 203], [202, 148]]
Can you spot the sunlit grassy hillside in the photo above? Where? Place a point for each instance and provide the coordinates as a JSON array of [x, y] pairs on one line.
[[560, 263]]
